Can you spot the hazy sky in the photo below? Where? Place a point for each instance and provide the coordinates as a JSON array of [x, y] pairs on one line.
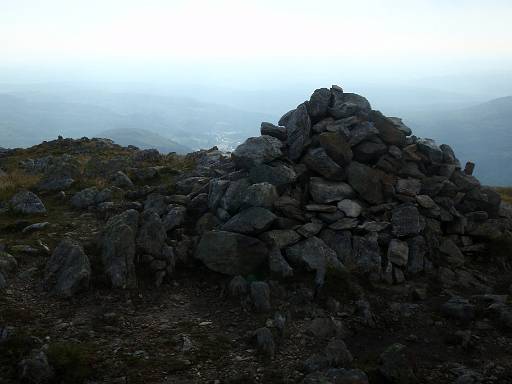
[[396, 37]]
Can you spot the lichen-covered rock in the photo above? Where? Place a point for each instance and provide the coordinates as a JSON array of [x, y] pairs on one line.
[[257, 150], [298, 126], [324, 191], [151, 236], [406, 220], [337, 147], [348, 104], [318, 104], [276, 173], [366, 257], [314, 255], [260, 195], [119, 248], [268, 129], [68, 271], [366, 181], [174, 218], [319, 161], [121, 180], [398, 252], [27, 203], [90, 196], [250, 221]]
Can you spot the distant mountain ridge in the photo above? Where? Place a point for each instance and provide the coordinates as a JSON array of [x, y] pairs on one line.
[[481, 133], [144, 139], [27, 118]]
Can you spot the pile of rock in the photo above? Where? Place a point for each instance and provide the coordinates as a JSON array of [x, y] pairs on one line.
[[339, 185], [335, 186]]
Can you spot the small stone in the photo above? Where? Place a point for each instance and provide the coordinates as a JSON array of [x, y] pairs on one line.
[[398, 252], [260, 296], [265, 342], [350, 208], [238, 286]]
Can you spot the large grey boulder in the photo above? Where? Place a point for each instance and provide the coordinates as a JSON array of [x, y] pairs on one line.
[[60, 173], [348, 104], [257, 150], [406, 220], [337, 147], [314, 255], [281, 238], [216, 191], [260, 195], [318, 104], [174, 218], [90, 196], [151, 236], [429, 148], [269, 129], [231, 253], [118, 249], [156, 202], [68, 271], [276, 173], [409, 187], [366, 257], [366, 181], [234, 195], [451, 252], [324, 191], [339, 241], [121, 180], [417, 252], [277, 264], [369, 151], [298, 127], [27, 203], [390, 131], [250, 221], [319, 161], [361, 132]]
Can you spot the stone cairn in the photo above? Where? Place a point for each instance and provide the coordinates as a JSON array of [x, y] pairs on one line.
[[339, 186], [335, 186]]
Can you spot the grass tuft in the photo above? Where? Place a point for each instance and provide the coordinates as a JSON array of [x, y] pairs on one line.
[[506, 194], [15, 181]]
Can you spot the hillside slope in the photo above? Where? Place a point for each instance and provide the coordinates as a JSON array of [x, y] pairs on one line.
[[27, 118]]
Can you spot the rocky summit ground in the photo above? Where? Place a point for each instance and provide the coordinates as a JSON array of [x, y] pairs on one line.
[[335, 248]]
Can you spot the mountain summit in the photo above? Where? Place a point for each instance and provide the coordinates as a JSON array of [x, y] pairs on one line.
[[336, 247]]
